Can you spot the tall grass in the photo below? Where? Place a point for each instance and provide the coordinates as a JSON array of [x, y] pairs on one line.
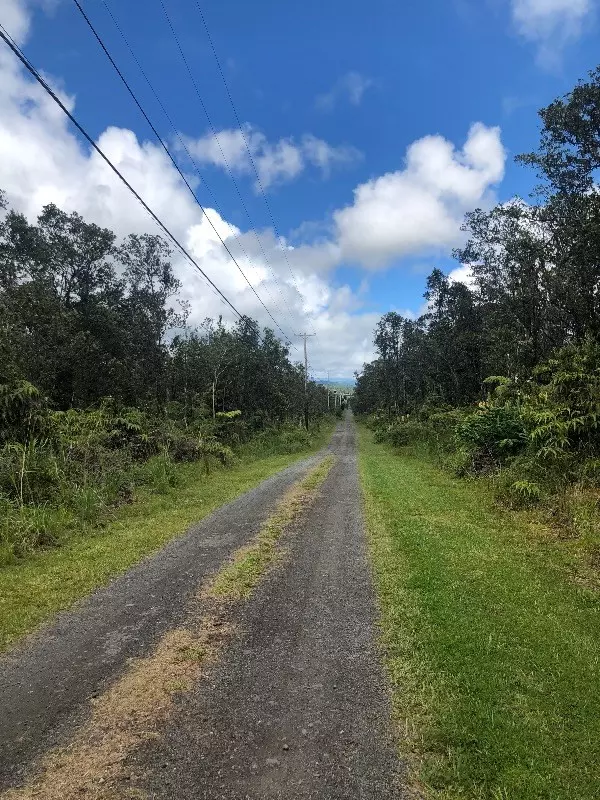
[[70, 471]]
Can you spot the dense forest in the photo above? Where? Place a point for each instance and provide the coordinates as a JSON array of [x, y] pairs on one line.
[[103, 383], [502, 374]]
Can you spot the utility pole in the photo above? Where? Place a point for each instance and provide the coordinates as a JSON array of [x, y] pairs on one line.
[[328, 387], [305, 336]]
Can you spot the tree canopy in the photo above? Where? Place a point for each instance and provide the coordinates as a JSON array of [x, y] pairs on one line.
[[535, 284], [85, 317]]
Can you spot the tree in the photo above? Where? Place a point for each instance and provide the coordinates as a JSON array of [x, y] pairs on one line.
[[569, 152]]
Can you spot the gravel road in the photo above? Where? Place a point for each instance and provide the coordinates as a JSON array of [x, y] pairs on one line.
[[295, 707], [47, 680], [298, 706]]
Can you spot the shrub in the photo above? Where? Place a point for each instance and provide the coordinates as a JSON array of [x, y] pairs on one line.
[[24, 529], [563, 404], [493, 432], [524, 493], [65, 469]]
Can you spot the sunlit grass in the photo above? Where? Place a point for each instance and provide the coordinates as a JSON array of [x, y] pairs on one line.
[[493, 653], [32, 590]]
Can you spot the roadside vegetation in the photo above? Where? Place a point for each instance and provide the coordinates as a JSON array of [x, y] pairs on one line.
[[50, 579], [501, 377], [105, 387], [65, 473], [481, 471], [112, 404], [491, 648]]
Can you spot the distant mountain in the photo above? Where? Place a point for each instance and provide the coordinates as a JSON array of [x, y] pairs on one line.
[[341, 384]]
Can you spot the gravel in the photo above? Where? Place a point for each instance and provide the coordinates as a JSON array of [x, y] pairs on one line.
[[298, 706], [49, 678]]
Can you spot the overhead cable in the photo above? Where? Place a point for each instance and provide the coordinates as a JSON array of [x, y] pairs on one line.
[[173, 161]]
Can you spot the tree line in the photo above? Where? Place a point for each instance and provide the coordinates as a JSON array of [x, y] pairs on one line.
[[85, 316], [502, 376], [105, 386], [535, 283]]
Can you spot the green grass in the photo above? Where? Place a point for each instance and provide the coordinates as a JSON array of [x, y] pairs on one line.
[[493, 652], [238, 579], [33, 590]]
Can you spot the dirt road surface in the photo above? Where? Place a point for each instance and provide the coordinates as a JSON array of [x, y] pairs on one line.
[[296, 706]]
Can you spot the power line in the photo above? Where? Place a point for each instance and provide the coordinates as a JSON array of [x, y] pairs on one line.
[[224, 158], [167, 151], [30, 68], [241, 128], [183, 144]]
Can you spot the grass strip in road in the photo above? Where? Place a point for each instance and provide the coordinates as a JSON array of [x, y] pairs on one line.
[[34, 590], [238, 579], [94, 764], [493, 653]]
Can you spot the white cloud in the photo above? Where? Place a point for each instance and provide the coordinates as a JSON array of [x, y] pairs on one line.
[[42, 161], [15, 19], [462, 274], [351, 87], [420, 208], [276, 162], [551, 24]]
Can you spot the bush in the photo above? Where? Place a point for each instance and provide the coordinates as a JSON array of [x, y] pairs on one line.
[[403, 432], [61, 470], [492, 433], [23, 529], [285, 439], [563, 404]]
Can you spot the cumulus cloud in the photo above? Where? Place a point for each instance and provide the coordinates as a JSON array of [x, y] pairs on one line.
[[43, 161], [419, 209], [276, 162], [351, 88], [551, 24], [15, 19], [462, 274]]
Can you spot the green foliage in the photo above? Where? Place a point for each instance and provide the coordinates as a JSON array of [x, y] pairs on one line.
[[525, 492], [534, 293], [493, 432], [288, 439], [402, 432], [86, 317], [518, 351], [91, 461], [104, 388], [564, 403], [538, 438], [22, 411]]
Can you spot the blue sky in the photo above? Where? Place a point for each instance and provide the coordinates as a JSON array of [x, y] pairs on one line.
[[332, 96]]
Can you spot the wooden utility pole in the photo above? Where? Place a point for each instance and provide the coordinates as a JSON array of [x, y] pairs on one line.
[[305, 336]]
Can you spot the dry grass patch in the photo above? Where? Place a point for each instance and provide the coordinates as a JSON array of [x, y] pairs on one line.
[[94, 764], [124, 717], [238, 579]]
